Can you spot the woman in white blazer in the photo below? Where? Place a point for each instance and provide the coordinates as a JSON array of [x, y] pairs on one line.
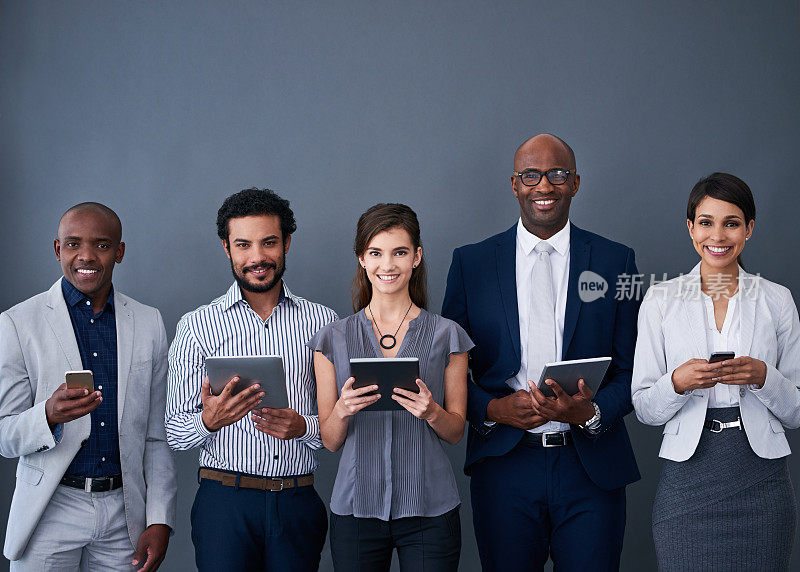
[[725, 500]]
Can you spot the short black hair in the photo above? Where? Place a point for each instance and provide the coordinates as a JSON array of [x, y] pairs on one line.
[[255, 202]]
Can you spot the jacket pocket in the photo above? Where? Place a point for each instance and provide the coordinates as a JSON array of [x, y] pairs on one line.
[[671, 428], [29, 474], [776, 425]]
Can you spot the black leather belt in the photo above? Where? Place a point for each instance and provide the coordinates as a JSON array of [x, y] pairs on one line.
[[93, 484], [554, 439]]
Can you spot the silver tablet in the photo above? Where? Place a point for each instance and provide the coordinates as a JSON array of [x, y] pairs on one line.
[[567, 373], [264, 370]]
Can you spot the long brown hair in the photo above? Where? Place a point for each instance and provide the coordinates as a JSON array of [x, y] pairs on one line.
[[379, 218]]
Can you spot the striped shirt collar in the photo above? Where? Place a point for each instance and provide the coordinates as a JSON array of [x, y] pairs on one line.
[[234, 295]]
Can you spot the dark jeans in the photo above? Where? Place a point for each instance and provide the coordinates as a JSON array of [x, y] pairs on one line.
[[247, 529], [536, 502], [432, 544]]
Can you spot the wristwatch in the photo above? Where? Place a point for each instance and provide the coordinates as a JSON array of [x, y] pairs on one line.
[[593, 424]]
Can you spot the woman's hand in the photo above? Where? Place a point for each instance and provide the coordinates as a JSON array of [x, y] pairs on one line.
[[351, 401], [743, 370], [694, 374], [421, 405]]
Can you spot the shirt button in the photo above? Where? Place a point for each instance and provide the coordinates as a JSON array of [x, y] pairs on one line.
[[95, 354], [91, 321], [88, 303], [102, 424], [741, 392], [103, 459], [99, 387]]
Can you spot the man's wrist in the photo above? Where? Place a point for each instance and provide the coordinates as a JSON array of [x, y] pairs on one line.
[[491, 411], [207, 424], [593, 423]]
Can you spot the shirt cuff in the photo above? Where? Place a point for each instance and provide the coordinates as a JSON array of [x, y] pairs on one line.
[[201, 428], [58, 432], [312, 428]]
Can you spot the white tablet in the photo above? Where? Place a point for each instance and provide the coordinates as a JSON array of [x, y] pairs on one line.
[[267, 371], [567, 373]]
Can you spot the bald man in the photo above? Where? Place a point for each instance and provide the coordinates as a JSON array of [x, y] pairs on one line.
[[548, 473], [96, 480]]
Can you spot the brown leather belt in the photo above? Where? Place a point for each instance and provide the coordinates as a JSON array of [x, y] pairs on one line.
[[260, 483]]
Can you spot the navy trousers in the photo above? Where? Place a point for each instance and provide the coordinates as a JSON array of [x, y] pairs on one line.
[[247, 529], [536, 502]]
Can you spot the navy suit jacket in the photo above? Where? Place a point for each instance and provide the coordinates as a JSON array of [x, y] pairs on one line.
[[481, 296]]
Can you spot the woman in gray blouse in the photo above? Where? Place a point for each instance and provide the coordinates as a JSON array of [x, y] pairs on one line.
[[395, 487]]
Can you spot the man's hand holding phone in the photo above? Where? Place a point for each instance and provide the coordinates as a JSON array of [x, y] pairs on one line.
[[67, 404]]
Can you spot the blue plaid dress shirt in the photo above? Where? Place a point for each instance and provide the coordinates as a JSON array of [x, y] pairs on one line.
[[96, 335]]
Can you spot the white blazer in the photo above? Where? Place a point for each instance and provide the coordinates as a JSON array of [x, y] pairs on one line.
[[672, 330], [37, 345]]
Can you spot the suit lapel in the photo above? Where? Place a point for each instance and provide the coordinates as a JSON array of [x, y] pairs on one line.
[[579, 254], [695, 309], [506, 257], [57, 316], [124, 323], [748, 298]]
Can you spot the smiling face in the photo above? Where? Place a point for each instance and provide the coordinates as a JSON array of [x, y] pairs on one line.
[[88, 246], [544, 209], [389, 260], [257, 252], [718, 233]]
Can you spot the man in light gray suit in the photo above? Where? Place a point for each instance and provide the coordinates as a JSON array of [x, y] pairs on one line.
[[96, 480]]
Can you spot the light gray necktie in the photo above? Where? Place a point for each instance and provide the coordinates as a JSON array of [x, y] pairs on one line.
[[542, 320]]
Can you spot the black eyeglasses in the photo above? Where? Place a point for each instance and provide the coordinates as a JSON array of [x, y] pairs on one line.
[[531, 177]]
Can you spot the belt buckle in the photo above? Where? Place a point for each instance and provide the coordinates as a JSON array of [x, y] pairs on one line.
[[280, 489], [87, 484], [718, 428], [544, 439]]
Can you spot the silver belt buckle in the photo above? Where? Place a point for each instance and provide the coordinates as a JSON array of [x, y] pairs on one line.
[[544, 439], [87, 484], [720, 425]]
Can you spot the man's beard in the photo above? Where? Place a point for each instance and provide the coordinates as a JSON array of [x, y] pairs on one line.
[[259, 288]]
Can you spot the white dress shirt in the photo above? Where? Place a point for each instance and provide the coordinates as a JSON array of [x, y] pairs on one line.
[[559, 262], [727, 339]]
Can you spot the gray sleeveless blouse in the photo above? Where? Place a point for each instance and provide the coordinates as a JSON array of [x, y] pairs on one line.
[[393, 465]]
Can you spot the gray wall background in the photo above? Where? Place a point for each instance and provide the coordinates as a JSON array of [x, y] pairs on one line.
[[161, 109]]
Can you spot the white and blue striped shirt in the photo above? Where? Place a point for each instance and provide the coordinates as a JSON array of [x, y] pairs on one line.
[[228, 326]]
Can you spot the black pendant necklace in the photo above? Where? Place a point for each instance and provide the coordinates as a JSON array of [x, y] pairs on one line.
[[388, 341]]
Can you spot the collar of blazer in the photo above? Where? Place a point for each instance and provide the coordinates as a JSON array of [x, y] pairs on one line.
[[506, 258], [688, 288], [58, 318]]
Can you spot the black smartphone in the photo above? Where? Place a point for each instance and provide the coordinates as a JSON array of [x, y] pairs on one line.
[[721, 356]]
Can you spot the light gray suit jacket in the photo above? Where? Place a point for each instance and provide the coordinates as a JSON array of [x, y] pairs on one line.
[[37, 345], [672, 330]]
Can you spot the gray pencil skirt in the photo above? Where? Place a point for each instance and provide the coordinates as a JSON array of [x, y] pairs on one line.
[[725, 508]]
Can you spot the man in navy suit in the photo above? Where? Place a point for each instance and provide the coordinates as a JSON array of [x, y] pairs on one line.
[[548, 474]]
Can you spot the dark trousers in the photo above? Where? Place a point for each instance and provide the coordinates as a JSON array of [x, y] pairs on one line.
[[429, 544], [247, 529], [537, 502]]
